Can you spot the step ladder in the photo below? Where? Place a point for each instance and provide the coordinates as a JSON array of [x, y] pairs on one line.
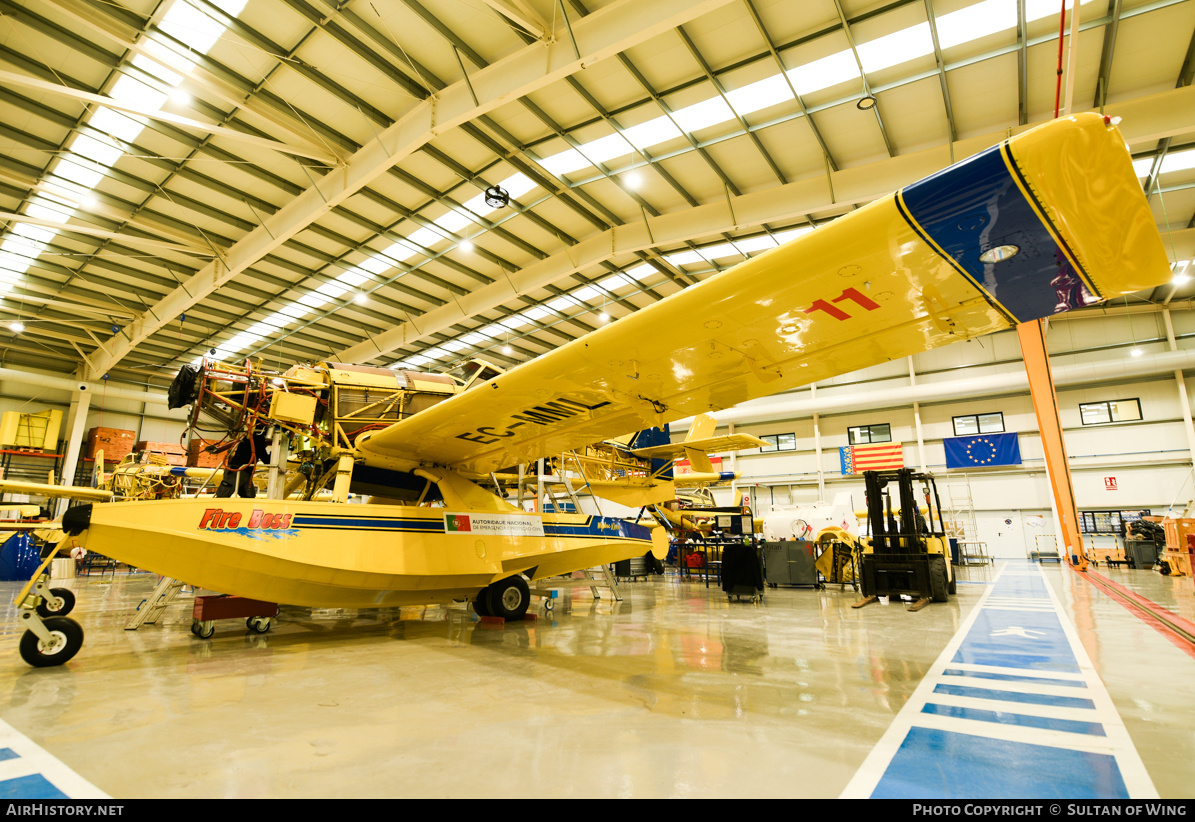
[[594, 579], [157, 603]]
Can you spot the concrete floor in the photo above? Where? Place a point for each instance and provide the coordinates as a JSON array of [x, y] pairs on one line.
[[674, 692]]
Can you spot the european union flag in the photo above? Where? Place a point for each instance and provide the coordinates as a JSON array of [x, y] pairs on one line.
[[982, 450]]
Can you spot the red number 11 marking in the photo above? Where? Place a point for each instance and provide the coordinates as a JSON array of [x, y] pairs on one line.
[[837, 313]]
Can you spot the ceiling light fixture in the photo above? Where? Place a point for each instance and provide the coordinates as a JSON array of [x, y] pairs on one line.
[[361, 298], [16, 327], [180, 96], [497, 197], [466, 244], [866, 103], [506, 349], [633, 180]]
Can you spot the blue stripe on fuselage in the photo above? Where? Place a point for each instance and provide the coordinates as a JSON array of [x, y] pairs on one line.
[[976, 205]]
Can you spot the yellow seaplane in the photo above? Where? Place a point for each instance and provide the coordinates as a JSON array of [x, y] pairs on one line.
[[1050, 220]]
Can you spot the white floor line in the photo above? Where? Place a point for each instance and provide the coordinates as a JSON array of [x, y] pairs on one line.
[[1117, 741], [31, 759]]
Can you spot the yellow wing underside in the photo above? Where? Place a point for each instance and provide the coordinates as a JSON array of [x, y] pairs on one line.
[[862, 290]]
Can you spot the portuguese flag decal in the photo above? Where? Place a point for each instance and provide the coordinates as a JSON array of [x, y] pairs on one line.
[[457, 522]]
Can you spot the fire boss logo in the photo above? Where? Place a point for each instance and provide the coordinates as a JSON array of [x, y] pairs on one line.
[[217, 519]]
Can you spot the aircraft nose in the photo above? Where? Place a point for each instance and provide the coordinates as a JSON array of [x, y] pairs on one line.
[[77, 519]]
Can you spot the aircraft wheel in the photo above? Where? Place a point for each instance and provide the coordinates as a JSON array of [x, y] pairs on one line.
[[68, 603], [937, 578], [66, 638], [509, 598], [952, 588], [204, 630], [480, 606], [258, 625]]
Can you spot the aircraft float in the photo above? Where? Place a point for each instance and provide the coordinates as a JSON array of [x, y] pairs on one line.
[[1047, 221]]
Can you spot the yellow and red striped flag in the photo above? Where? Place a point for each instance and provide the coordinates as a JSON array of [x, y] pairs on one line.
[[875, 457]]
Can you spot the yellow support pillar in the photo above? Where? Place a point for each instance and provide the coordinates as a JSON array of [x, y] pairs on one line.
[[1045, 404]]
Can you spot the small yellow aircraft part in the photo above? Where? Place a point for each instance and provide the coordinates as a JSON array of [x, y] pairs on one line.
[[55, 491]]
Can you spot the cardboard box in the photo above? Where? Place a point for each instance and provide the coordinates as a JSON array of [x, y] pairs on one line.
[[174, 453], [198, 457], [116, 443]]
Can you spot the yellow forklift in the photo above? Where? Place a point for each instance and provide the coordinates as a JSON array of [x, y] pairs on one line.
[[907, 552]]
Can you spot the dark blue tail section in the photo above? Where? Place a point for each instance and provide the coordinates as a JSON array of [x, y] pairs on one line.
[[655, 436]]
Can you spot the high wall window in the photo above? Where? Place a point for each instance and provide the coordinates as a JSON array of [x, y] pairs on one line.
[[979, 424], [778, 442], [1100, 413], [863, 434]]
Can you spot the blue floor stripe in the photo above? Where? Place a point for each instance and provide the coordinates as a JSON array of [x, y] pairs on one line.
[[1037, 680], [8, 753], [946, 765], [1013, 696], [35, 786], [1004, 718], [999, 638]]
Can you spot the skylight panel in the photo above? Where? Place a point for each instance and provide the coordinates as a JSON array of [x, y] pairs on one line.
[[116, 123], [455, 345], [14, 262], [153, 67], [186, 23], [1178, 161], [685, 258], [652, 132], [36, 233], [721, 251], [75, 173], [751, 244], [240, 341], [280, 320], [517, 185], [537, 312], [823, 73], [437, 353], [331, 290], [103, 153], [615, 282], [897, 47], [642, 272], [979, 20], [425, 237], [1143, 166], [760, 95], [704, 114], [562, 304], [514, 322], [418, 361], [783, 237], [565, 162], [262, 329], [476, 340], [312, 300], [605, 148], [1037, 9], [135, 93], [43, 209], [374, 265], [587, 292], [294, 310], [496, 331], [452, 222]]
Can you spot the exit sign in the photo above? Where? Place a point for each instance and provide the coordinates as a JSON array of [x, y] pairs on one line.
[[1109, 483]]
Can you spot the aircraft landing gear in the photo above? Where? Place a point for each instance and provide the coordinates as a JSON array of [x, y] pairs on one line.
[[50, 641], [507, 598], [50, 638]]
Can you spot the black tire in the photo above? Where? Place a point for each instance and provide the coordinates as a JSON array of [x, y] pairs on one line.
[[258, 625], [68, 603], [205, 631], [509, 598], [69, 636], [952, 587], [938, 574], [480, 605]]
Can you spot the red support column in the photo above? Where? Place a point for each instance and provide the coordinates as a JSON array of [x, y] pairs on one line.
[[1045, 404]]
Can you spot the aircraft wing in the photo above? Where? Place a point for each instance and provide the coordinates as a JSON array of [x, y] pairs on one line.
[[1049, 220], [54, 491], [707, 445]]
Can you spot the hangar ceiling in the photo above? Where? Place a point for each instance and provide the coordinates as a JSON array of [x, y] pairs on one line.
[[300, 180]]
